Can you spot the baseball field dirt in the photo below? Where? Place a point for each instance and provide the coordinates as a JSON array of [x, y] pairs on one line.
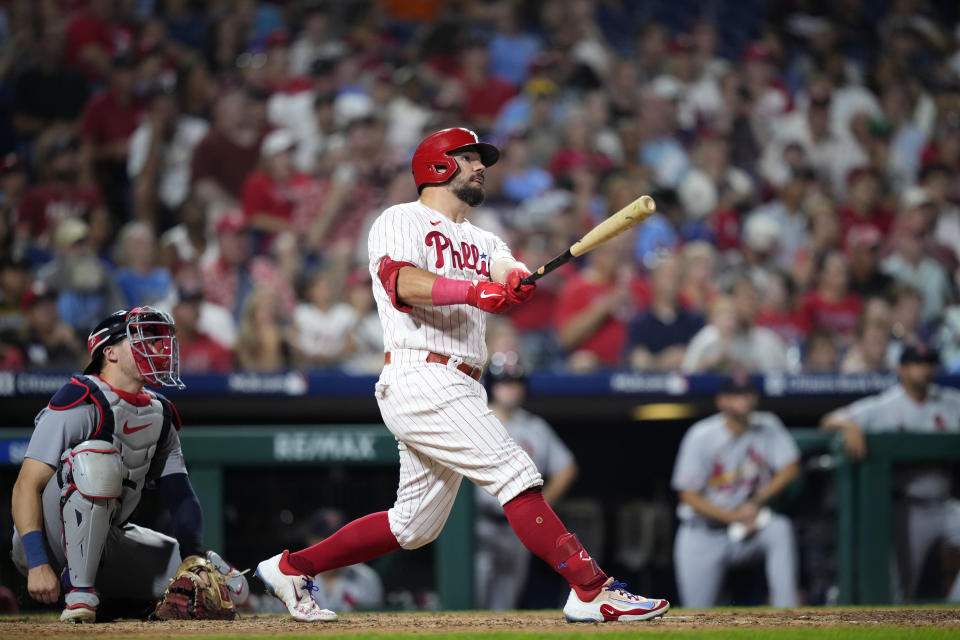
[[727, 623]]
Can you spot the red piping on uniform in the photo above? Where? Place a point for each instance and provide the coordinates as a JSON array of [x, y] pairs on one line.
[[93, 398], [86, 392], [141, 399]]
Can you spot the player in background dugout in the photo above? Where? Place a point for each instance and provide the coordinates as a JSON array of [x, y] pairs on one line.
[[924, 511]]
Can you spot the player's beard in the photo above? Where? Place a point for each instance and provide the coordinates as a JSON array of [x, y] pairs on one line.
[[470, 193]]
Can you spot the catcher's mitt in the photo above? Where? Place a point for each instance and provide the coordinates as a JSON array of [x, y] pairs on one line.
[[196, 592]]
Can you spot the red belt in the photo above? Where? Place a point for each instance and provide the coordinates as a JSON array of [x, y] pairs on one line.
[[439, 358]]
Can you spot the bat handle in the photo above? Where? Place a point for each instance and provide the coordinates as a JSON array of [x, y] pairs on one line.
[[533, 277]]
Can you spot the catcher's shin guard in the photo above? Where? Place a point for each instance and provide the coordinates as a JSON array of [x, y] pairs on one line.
[[91, 478]]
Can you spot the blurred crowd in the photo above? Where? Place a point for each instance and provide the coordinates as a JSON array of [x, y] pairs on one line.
[[223, 160]]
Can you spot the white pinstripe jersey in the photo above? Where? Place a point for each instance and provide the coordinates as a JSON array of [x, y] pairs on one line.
[[413, 232]]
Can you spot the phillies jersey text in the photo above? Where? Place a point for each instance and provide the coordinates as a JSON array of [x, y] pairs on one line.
[[413, 232]]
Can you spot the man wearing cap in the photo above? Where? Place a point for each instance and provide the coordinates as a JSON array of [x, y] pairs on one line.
[[47, 342], [273, 193], [87, 290], [98, 443], [729, 467], [925, 511], [234, 273], [58, 196]]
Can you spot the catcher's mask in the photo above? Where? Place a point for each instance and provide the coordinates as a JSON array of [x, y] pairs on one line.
[[153, 342], [432, 162]]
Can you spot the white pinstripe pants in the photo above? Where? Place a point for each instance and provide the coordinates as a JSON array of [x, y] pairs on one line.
[[444, 431]]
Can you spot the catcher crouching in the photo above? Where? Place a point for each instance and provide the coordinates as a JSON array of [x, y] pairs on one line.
[[102, 439]]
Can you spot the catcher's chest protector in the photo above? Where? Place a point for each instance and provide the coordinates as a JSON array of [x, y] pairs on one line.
[[135, 426]]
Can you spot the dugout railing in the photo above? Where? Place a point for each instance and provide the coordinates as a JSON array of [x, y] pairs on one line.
[[863, 490], [865, 508]]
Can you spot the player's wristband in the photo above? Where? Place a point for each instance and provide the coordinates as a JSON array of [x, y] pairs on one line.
[[447, 291], [34, 546]]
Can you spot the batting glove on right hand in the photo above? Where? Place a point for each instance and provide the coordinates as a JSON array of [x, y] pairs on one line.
[[489, 296], [516, 292]]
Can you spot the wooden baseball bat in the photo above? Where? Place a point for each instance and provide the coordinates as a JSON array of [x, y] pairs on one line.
[[630, 216]]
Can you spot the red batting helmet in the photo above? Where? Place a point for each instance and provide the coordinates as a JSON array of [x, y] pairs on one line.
[[432, 164]]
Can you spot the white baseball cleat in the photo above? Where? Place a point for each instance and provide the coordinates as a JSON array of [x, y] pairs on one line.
[[613, 604], [81, 606], [295, 592]]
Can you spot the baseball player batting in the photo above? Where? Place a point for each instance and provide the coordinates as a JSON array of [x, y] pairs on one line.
[[101, 439], [435, 277]]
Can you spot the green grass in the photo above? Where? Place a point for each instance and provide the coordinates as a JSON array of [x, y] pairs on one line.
[[834, 633]]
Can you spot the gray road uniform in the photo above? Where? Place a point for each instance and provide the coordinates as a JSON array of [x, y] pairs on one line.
[[924, 509], [727, 470], [502, 561], [106, 447]]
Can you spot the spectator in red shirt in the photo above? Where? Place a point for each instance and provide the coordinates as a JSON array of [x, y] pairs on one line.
[[578, 149], [227, 154], [107, 123], [778, 310], [831, 306], [199, 353], [596, 305], [864, 206], [56, 197], [272, 192], [91, 39], [535, 323], [229, 278], [484, 94]]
